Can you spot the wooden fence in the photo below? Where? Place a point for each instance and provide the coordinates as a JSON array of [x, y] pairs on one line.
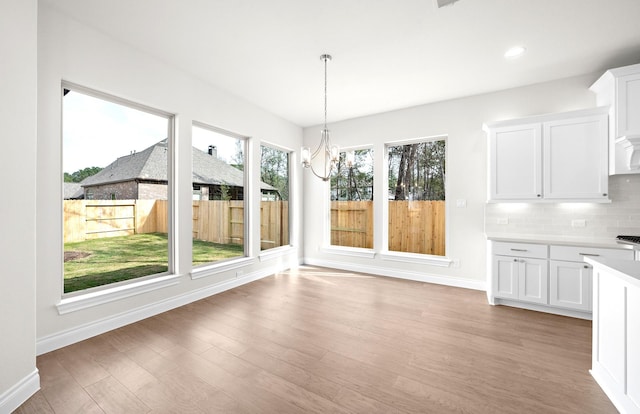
[[417, 227], [214, 221], [414, 226], [92, 219], [352, 223]]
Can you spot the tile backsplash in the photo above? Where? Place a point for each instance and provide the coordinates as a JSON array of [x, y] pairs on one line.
[[621, 216]]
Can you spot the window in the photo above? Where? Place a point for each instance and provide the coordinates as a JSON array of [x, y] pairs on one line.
[[116, 190], [417, 197], [218, 188], [274, 188], [351, 194]]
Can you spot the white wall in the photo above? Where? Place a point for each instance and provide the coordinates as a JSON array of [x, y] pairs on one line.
[[18, 93], [461, 120], [72, 52]]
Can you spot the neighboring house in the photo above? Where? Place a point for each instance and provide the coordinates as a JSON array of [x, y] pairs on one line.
[[72, 191], [143, 175]]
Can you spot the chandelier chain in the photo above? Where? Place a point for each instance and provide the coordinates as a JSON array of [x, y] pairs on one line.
[[325, 91]]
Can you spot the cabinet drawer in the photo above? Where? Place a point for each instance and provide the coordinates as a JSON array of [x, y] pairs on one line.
[[520, 249], [577, 254]]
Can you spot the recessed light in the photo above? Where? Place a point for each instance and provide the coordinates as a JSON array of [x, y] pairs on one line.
[[514, 52]]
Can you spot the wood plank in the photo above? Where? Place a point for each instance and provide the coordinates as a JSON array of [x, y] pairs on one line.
[[320, 340]]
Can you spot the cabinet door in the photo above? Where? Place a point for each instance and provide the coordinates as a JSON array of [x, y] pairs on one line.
[[575, 158], [505, 277], [570, 285], [515, 167], [533, 280], [610, 347], [628, 105], [633, 345]]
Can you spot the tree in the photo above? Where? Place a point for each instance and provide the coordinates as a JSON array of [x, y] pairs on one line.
[[417, 171], [81, 174], [238, 158], [274, 170], [355, 182]]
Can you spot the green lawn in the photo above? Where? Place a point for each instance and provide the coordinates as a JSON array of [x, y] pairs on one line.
[[114, 259]]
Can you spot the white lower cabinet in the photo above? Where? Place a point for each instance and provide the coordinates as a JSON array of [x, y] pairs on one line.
[[570, 285], [554, 278], [616, 333], [520, 271], [522, 279]]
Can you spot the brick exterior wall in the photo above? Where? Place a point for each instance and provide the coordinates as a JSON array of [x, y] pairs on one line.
[[149, 191], [129, 190], [121, 191]]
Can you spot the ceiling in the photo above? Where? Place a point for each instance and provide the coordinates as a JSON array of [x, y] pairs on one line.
[[387, 54]]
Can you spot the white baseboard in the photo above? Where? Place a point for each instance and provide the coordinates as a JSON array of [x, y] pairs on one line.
[[19, 393], [400, 274], [543, 308], [61, 339]]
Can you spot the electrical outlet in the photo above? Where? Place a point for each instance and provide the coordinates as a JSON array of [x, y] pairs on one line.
[[239, 273], [503, 220], [579, 223], [461, 203], [456, 263]]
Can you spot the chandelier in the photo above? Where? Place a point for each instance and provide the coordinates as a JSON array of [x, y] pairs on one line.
[[323, 160]]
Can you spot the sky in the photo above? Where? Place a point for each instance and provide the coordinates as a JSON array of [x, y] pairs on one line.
[[96, 132]]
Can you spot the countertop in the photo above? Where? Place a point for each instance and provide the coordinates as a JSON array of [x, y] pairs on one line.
[[607, 243], [628, 270]]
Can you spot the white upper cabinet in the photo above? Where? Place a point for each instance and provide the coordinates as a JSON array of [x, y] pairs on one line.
[[575, 158], [516, 154], [557, 157], [620, 90]]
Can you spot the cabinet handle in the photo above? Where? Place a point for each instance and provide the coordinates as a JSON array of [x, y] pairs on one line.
[[518, 250], [538, 195], [586, 266], [588, 254]]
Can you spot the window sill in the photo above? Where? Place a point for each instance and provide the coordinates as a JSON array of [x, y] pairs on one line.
[[218, 268], [426, 259], [100, 297], [349, 251], [276, 252]]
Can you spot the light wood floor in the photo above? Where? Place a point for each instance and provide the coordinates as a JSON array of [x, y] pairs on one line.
[[322, 341]]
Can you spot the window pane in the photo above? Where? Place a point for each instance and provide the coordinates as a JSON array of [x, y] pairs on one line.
[[218, 196], [274, 207], [115, 162], [417, 198], [352, 200]]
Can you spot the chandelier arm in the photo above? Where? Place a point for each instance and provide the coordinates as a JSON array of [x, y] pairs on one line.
[[323, 144], [323, 178]]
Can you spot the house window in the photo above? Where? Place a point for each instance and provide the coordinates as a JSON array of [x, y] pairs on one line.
[[351, 194], [417, 197], [274, 206], [218, 185], [116, 228]]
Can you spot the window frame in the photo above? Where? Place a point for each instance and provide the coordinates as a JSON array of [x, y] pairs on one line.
[[222, 266], [290, 159], [407, 257], [327, 247], [81, 299]]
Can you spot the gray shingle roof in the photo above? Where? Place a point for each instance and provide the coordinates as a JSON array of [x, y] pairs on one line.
[[151, 164], [71, 191]]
